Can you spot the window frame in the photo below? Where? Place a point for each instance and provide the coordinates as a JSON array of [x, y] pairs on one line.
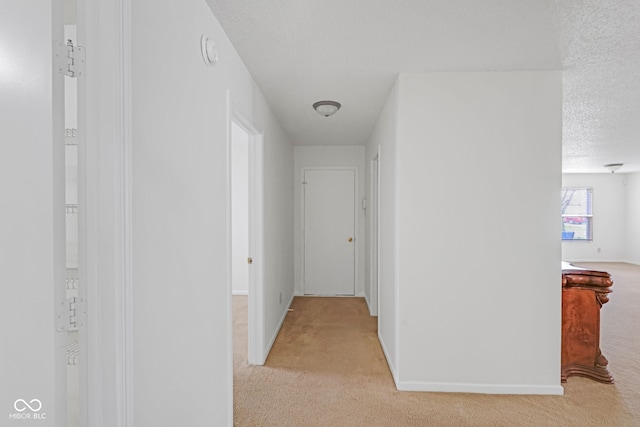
[[588, 215]]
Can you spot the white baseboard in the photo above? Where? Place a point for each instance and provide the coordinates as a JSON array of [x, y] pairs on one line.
[[330, 296], [389, 360], [371, 311], [299, 293], [366, 300], [277, 331], [556, 390], [592, 260], [624, 261], [239, 292]]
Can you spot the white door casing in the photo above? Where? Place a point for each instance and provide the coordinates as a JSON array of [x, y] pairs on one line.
[[329, 225], [374, 242], [104, 28]]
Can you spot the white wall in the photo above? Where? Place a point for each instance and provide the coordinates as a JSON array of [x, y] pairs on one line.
[[182, 359], [632, 218], [383, 142], [314, 156], [32, 252], [608, 218], [239, 209], [278, 217], [469, 147]]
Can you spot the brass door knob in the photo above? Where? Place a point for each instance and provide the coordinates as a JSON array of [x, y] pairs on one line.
[[249, 260], [350, 239]]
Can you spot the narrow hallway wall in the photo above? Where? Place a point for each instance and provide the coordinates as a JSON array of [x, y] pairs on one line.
[[478, 157], [181, 194]]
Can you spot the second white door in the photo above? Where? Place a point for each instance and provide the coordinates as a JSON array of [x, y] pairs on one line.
[[329, 232]]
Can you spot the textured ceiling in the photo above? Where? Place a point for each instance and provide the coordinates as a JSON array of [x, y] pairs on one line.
[[600, 49], [351, 51]]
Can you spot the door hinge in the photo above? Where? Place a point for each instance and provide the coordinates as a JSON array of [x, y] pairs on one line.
[[71, 314], [70, 59], [71, 136]]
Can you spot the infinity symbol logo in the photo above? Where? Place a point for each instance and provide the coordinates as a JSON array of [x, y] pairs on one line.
[[21, 403]]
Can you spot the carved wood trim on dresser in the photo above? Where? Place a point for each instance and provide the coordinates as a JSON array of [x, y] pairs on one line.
[[584, 292]]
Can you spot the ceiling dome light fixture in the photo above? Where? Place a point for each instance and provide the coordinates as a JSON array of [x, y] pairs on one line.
[[613, 166], [326, 108]]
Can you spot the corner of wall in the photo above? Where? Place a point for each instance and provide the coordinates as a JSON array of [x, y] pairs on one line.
[[272, 340], [390, 361], [632, 218]]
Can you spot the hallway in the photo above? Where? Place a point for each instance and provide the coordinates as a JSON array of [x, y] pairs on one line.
[[325, 364], [326, 368]]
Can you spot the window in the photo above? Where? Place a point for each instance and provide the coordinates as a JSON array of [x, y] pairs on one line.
[[577, 214]]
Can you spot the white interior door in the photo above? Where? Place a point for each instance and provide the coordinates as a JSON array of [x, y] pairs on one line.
[[32, 218], [329, 232]]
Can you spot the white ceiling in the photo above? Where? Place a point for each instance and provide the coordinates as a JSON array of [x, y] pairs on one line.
[[351, 51]]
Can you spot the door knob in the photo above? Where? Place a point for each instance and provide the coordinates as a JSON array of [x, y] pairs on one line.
[[249, 260], [350, 239]]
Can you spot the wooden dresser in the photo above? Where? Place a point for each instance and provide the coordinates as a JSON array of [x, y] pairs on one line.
[[584, 292]]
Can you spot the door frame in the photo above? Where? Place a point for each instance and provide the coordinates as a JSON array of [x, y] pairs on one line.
[[356, 224], [106, 181], [256, 338], [374, 239]]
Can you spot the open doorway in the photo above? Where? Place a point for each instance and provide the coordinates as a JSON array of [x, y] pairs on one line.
[[246, 225], [240, 257]]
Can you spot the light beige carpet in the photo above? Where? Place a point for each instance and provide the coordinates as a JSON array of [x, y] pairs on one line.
[[326, 368]]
